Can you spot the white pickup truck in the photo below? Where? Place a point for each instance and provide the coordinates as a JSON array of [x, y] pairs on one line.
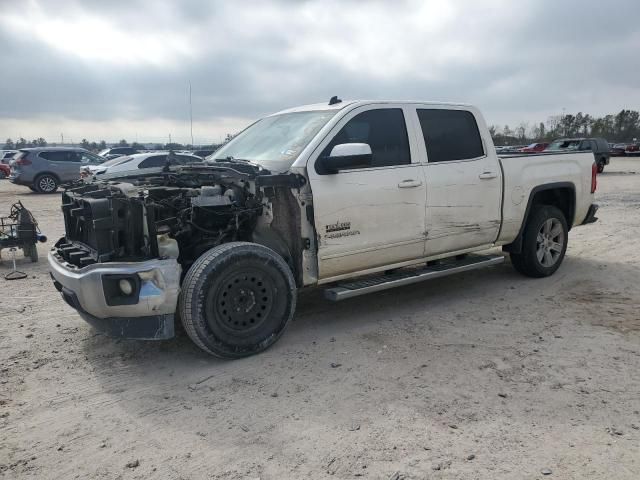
[[354, 196]]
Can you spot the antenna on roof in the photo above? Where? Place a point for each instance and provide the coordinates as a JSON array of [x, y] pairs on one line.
[[333, 100]]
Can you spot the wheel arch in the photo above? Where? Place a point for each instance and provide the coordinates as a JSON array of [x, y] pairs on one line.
[[47, 172], [558, 194]]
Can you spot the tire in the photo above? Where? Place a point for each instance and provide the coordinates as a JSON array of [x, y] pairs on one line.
[[237, 299], [601, 166], [32, 188], [2, 175], [544, 243], [45, 183]]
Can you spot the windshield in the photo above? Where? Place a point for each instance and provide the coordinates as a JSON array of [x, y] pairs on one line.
[[564, 145], [275, 142]]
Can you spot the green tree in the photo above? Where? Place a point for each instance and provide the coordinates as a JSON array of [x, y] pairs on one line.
[[102, 145], [9, 145], [85, 144], [21, 143], [123, 143]]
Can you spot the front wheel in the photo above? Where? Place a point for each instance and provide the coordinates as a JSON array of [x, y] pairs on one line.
[[237, 299], [601, 166], [544, 243]]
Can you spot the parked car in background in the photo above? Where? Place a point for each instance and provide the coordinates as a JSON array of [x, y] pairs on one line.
[[632, 149], [7, 155], [4, 170], [508, 148], [617, 149], [534, 147], [115, 152], [43, 169], [598, 146], [204, 153], [139, 161]]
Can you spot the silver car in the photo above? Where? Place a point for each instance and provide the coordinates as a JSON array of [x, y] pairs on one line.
[[43, 169]]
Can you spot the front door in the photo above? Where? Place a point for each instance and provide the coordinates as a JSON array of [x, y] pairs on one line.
[[374, 216], [464, 182]]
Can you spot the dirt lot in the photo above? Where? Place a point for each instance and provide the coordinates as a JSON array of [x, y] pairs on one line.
[[482, 375]]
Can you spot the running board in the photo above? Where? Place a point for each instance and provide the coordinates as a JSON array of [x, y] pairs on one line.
[[408, 276]]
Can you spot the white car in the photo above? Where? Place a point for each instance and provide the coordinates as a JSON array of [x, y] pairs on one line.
[[7, 155], [138, 161]]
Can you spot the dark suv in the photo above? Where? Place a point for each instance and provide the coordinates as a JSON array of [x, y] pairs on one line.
[[599, 147], [43, 169]]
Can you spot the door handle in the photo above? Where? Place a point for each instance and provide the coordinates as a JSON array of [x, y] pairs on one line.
[[487, 175], [410, 183]]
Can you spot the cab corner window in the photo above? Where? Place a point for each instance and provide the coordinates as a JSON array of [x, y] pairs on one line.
[[450, 135], [384, 130]]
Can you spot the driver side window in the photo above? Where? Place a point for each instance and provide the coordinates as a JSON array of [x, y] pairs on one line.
[[384, 130]]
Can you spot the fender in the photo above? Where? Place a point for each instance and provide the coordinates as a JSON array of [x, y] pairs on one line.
[[516, 245]]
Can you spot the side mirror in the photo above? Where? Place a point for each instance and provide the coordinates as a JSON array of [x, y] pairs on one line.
[[344, 156]]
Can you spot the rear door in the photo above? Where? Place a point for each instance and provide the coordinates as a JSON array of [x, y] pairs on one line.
[[464, 180], [64, 164], [368, 217]]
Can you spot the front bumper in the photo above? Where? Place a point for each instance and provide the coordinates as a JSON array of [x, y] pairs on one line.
[[148, 315], [591, 214]]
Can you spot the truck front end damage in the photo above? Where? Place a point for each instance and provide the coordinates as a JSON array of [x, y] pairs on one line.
[[129, 241]]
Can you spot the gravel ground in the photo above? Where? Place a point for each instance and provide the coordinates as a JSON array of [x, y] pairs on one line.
[[482, 375]]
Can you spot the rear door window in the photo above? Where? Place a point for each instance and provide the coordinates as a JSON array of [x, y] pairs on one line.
[[60, 156], [450, 135]]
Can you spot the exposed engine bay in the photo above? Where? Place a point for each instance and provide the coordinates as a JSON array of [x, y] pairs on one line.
[[179, 214]]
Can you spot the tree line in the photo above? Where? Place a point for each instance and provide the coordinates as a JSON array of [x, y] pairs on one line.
[[9, 144], [623, 127]]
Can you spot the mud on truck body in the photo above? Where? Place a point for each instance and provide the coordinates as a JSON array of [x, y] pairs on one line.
[[371, 194]]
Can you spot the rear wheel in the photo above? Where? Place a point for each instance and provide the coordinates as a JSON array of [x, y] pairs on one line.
[[544, 243], [46, 183], [237, 299], [600, 166]]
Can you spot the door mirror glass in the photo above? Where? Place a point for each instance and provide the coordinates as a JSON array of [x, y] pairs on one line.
[[345, 156]]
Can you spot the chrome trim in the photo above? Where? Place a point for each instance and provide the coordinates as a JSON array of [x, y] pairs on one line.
[[158, 293], [376, 284]]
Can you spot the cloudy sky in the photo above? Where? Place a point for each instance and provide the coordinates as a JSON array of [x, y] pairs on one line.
[[121, 68]]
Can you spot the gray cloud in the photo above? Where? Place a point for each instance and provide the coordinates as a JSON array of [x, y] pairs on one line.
[[517, 61]]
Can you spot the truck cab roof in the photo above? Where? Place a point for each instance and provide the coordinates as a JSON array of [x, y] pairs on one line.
[[359, 103]]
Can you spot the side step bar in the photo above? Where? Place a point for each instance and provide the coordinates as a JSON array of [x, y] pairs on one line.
[[407, 276]]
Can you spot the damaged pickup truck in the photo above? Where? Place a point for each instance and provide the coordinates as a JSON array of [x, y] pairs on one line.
[[356, 197]]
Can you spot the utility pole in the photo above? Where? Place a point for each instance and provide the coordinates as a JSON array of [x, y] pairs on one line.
[[169, 139], [61, 139], [191, 114]]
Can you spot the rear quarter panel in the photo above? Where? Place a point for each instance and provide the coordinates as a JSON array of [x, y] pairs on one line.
[[522, 174]]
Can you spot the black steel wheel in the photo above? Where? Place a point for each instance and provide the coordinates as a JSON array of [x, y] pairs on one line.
[[237, 299]]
